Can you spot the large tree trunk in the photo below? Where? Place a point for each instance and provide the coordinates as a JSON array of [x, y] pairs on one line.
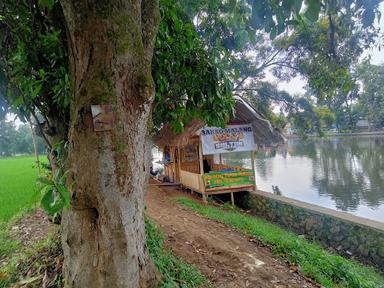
[[111, 46]]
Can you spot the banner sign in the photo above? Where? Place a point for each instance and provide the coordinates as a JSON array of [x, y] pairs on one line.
[[233, 138], [228, 179], [190, 153]]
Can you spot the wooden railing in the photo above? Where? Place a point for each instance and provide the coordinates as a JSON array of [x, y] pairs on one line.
[[219, 167], [192, 167]]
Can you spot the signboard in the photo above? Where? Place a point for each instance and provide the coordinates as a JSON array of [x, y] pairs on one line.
[[103, 117], [229, 179], [190, 153], [233, 138]]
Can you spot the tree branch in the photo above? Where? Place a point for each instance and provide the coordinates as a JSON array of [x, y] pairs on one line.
[[41, 129], [271, 97], [272, 57], [240, 83], [264, 65]]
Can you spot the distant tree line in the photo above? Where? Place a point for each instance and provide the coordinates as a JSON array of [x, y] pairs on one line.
[[18, 140], [307, 114], [370, 104]]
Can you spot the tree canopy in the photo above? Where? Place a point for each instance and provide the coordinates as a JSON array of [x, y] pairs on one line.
[[201, 49]]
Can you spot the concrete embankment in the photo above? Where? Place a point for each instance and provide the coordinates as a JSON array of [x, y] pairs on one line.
[[343, 233]]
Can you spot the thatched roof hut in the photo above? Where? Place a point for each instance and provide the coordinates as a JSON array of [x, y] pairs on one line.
[[264, 134]]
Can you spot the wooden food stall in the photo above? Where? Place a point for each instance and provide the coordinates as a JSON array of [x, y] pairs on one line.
[[194, 158]]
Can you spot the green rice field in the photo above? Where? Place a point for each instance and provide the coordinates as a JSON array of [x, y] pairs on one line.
[[17, 185]]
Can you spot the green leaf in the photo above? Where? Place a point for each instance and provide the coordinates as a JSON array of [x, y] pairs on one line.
[[273, 33], [65, 195], [241, 38], [47, 3], [45, 181], [297, 5], [313, 10], [46, 201]]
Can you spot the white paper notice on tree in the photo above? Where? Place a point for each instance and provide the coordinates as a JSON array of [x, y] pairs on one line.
[[232, 138]]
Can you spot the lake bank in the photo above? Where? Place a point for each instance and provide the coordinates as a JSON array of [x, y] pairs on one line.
[[343, 233], [333, 134]]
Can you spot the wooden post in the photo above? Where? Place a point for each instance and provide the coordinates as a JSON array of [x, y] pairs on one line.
[[232, 199], [172, 155], [179, 156], [253, 168], [221, 158], [202, 169], [179, 163]]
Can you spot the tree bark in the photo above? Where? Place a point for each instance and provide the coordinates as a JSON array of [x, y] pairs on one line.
[[110, 49]]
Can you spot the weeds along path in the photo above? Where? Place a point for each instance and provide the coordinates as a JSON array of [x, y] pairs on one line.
[[226, 257], [24, 232]]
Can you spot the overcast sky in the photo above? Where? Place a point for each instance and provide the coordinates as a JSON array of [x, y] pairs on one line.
[[296, 85]]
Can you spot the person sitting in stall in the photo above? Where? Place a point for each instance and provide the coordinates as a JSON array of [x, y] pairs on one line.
[[206, 166], [153, 172]]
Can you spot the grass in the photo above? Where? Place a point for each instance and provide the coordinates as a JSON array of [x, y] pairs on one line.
[[175, 272], [32, 262], [7, 244], [325, 268], [17, 185], [37, 264]]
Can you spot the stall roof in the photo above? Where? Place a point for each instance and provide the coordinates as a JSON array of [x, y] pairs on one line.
[[263, 132]]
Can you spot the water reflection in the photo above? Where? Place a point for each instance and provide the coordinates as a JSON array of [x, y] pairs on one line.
[[344, 173]]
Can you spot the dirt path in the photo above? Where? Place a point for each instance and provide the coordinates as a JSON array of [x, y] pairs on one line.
[[226, 257], [28, 230]]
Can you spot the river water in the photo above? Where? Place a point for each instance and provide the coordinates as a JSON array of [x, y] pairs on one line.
[[342, 173]]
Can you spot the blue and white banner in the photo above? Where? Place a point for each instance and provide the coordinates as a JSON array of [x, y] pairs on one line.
[[233, 138]]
